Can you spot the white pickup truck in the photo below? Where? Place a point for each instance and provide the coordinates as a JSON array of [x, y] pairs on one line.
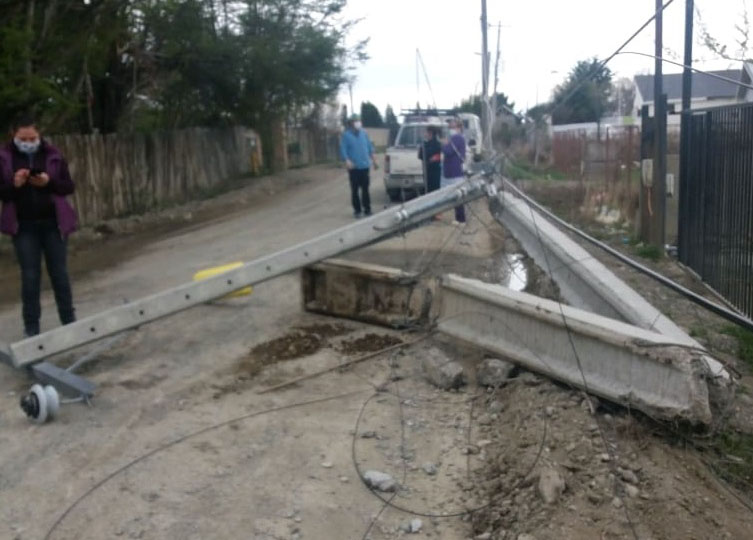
[[403, 171]]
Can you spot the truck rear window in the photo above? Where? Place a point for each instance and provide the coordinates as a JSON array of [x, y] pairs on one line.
[[412, 136]]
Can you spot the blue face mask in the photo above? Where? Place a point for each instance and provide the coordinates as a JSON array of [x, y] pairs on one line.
[[27, 147]]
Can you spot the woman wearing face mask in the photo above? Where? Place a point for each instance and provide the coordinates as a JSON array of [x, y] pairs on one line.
[[34, 181], [453, 150]]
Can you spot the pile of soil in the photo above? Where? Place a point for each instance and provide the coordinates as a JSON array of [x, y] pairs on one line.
[[368, 343], [552, 470]]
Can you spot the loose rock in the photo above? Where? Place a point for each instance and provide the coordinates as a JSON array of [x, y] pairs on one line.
[[493, 372], [441, 371], [628, 476], [551, 485], [495, 407], [380, 481], [531, 379], [429, 468]]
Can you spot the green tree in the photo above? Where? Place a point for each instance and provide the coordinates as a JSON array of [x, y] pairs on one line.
[[472, 104], [370, 115], [109, 65], [391, 121], [585, 95]]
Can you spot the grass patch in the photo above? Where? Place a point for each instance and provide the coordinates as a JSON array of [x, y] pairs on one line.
[[699, 332], [744, 343], [522, 170], [735, 461], [652, 253]]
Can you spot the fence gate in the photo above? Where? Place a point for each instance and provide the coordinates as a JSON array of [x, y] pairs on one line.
[[716, 200]]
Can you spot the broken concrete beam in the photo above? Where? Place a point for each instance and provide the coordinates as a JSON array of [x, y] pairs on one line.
[[366, 292], [584, 282], [625, 364]]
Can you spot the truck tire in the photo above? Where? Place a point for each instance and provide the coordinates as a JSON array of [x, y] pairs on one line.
[[395, 195]]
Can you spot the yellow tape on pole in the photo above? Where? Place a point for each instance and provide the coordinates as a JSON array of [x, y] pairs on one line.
[[216, 270]]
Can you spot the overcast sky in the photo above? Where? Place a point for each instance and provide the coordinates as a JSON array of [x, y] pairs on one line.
[[540, 42]]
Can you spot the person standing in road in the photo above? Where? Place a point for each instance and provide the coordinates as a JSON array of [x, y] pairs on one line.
[[34, 183], [433, 164], [357, 152], [453, 150]]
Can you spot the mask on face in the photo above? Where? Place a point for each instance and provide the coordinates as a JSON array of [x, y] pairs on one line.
[[357, 124], [453, 131], [26, 147]]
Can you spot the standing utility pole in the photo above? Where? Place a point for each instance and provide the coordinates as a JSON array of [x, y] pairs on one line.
[[687, 74], [659, 188], [687, 90], [485, 112]]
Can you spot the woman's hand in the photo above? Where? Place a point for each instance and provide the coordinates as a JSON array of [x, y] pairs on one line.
[[41, 180], [20, 177]]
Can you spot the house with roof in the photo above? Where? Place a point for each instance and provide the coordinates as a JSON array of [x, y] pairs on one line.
[[707, 91], [743, 93]]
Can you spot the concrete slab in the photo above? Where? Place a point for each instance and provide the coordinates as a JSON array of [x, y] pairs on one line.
[[637, 368], [366, 292]]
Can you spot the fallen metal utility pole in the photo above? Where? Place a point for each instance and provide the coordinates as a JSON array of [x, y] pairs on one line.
[[30, 352]]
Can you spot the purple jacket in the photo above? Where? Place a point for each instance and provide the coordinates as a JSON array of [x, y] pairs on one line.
[[454, 155], [60, 183]]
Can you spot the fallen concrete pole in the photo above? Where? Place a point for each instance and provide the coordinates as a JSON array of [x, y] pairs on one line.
[[584, 282], [366, 292], [136, 313], [637, 368]]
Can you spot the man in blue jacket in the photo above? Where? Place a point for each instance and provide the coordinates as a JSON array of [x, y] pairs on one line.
[[357, 152]]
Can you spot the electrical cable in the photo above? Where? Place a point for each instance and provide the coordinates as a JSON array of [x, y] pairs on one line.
[[179, 440], [603, 63], [718, 309], [702, 72], [607, 446], [429, 514]]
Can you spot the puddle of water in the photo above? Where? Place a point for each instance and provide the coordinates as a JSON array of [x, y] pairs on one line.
[[517, 277]]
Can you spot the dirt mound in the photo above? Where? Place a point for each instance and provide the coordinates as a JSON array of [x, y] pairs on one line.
[[368, 343], [553, 470], [288, 347]]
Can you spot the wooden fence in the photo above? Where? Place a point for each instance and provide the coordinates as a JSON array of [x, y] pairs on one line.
[[119, 174], [307, 147]]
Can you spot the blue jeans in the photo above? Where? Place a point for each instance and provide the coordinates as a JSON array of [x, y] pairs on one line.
[[359, 181], [34, 239], [459, 210]]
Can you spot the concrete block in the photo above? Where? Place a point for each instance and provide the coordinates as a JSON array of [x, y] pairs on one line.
[[366, 292]]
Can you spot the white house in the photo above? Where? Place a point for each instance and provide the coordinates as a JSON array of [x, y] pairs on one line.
[[706, 92]]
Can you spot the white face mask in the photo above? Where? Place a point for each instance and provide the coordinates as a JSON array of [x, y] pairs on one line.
[[357, 124], [26, 147], [453, 131]]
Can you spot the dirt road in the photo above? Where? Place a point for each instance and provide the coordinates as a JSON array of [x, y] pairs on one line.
[[183, 443], [281, 474]]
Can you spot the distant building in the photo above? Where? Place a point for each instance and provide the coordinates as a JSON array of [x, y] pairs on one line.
[[707, 91]]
